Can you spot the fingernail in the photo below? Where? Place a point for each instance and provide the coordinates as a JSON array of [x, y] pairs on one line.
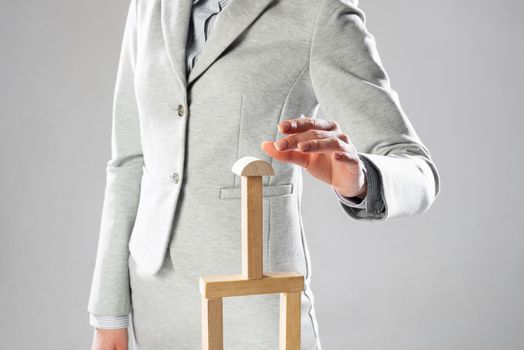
[[284, 126]]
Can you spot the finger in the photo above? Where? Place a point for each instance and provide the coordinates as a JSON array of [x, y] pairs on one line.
[[295, 157], [304, 123], [290, 142], [344, 137], [332, 144]]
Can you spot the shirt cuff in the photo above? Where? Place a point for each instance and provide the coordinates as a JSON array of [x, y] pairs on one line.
[[354, 202], [109, 322]]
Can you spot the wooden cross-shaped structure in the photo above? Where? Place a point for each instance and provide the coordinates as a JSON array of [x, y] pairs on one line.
[[253, 280]]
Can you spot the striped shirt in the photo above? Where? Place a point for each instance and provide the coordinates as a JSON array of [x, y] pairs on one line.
[[203, 17]]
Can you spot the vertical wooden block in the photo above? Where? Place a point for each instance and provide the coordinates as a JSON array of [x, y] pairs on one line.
[[212, 324], [252, 227], [290, 325]]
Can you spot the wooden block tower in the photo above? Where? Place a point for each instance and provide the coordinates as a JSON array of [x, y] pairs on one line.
[[253, 280]]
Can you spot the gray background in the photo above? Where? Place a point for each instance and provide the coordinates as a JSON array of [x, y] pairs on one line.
[[452, 278]]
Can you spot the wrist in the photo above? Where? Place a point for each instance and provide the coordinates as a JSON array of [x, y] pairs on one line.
[[363, 189], [360, 194]]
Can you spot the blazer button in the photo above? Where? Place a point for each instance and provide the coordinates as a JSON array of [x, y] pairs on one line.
[[175, 177], [180, 110]]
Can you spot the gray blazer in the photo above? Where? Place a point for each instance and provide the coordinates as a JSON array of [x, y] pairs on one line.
[[175, 137]]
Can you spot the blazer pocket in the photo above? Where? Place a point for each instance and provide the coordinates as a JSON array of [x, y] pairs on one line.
[[267, 191]]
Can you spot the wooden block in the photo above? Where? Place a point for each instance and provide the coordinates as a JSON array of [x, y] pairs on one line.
[[252, 227], [253, 280], [290, 309], [212, 324], [218, 286]]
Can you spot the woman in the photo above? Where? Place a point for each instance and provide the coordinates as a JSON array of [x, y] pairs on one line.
[[182, 117]]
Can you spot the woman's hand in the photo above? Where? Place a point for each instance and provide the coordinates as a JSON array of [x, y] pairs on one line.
[[323, 150], [110, 339]]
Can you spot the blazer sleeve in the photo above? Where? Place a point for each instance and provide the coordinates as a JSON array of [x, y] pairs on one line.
[[353, 88], [110, 294]]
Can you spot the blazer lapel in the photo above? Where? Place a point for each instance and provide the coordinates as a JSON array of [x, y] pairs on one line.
[[175, 16], [231, 22]]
